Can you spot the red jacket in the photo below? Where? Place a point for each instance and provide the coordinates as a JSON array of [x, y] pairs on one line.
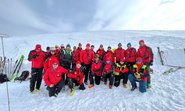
[[87, 56], [107, 69], [54, 76], [50, 61], [76, 55], [109, 55], [57, 53], [119, 53], [96, 68], [77, 75], [130, 55], [101, 53], [145, 53], [37, 62], [119, 68]]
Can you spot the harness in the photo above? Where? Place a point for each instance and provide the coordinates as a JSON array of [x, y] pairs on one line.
[[139, 75], [120, 68]]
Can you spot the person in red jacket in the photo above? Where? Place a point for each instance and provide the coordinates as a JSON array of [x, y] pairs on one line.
[[109, 55], [49, 61], [77, 53], [139, 74], [96, 71], [108, 73], [119, 53], [121, 72], [86, 58], [146, 54], [53, 78], [101, 52], [37, 58], [76, 77], [57, 51], [130, 56]]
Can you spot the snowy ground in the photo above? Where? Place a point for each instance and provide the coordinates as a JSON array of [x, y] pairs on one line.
[[167, 92]]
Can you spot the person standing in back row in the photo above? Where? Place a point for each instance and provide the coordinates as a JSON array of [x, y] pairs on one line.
[[146, 54], [37, 58], [101, 52], [86, 59], [130, 57], [66, 60], [119, 53]]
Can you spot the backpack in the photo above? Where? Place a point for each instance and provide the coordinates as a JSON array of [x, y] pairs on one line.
[[3, 78], [150, 49], [24, 75]]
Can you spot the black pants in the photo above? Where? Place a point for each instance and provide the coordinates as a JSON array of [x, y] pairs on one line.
[[130, 66], [72, 82], [109, 76], [56, 89], [119, 77], [87, 71], [36, 78], [68, 67], [96, 78], [73, 65]]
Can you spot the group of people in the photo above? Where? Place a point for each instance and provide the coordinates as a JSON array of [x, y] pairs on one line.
[[60, 66]]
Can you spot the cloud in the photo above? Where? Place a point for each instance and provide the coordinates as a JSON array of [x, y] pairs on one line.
[[17, 14], [139, 15], [55, 16]]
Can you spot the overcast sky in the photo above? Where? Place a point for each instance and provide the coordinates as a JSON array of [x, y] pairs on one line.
[[25, 17]]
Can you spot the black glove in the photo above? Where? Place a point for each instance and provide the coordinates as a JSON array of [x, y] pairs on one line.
[[82, 64], [151, 63], [35, 56]]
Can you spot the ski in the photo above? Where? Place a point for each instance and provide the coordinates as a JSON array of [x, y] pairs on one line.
[[72, 92], [3, 65], [17, 74], [17, 63], [171, 70]]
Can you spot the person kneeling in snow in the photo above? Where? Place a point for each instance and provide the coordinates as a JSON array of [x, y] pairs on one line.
[[121, 72], [76, 77], [139, 74], [96, 71], [53, 78], [108, 73]]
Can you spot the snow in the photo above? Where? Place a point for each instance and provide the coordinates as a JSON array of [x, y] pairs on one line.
[[167, 92]]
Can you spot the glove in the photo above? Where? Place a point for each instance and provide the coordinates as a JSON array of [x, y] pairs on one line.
[[35, 56], [82, 64], [137, 75], [151, 62]]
